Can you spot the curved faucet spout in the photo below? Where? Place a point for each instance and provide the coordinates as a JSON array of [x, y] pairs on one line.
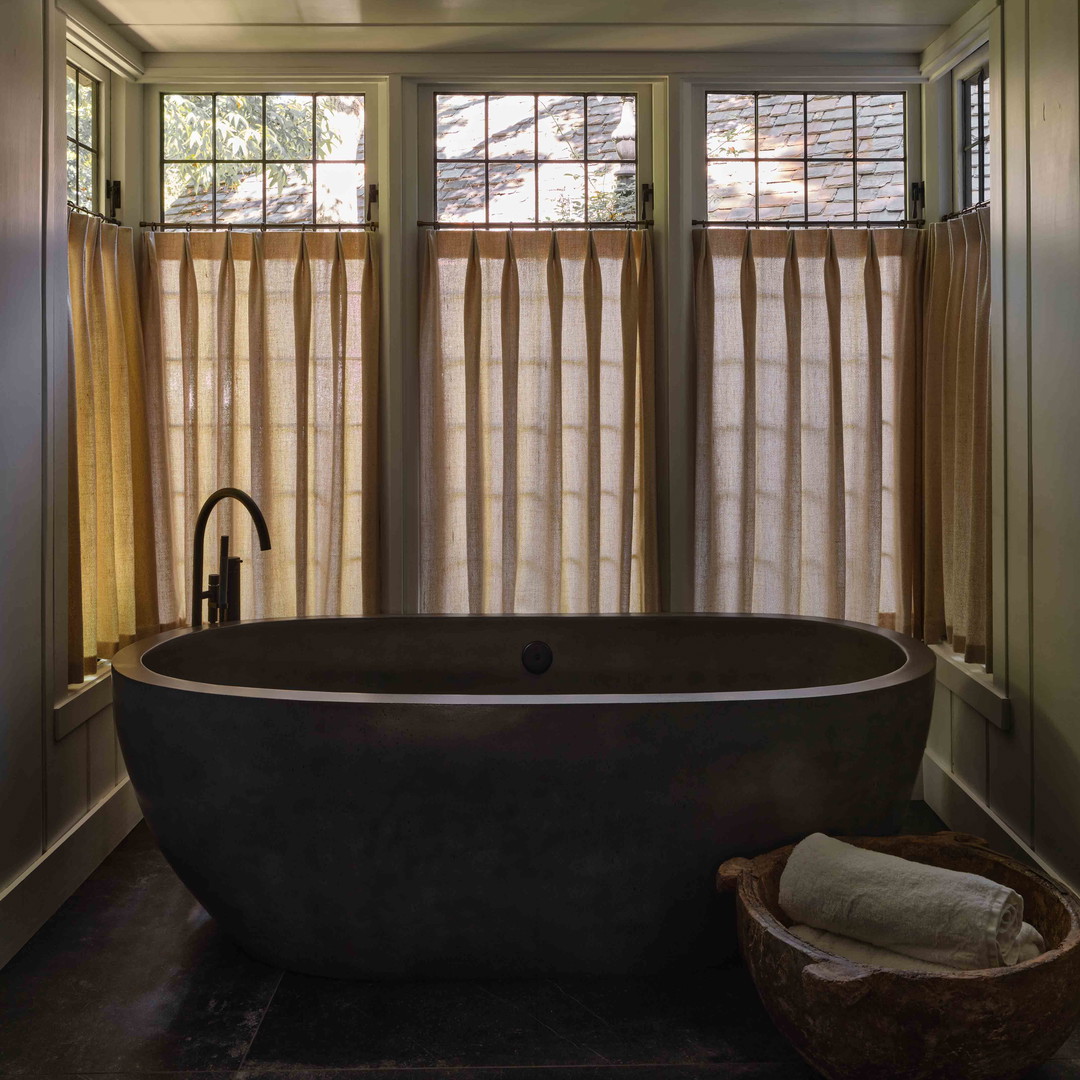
[[252, 507]]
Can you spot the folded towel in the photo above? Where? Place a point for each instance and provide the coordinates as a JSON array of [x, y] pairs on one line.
[[1029, 945], [926, 912]]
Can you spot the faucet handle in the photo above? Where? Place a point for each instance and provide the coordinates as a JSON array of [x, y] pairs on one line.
[[211, 595]]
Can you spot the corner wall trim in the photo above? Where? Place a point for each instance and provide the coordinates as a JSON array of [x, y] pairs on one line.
[[963, 811], [36, 894]]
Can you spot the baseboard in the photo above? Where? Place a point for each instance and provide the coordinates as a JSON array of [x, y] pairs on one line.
[[963, 811], [38, 891]]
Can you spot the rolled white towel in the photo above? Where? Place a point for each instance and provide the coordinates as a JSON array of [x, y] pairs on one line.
[[926, 912], [1029, 945]]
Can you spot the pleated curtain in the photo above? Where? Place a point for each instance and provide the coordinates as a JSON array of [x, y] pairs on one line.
[[537, 422], [807, 383], [112, 596], [262, 351], [956, 443]]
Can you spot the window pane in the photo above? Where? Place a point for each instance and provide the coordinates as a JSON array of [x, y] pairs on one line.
[[187, 127], [72, 172], [612, 192], [881, 189], [339, 193], [289, 127], [459, 192], [512, 192], [87, 95], [830, 190], [731, 189], [729, 125], [289, 193], [612, 127], [511, 126], [239, 193], [782, 189], [87, 179], [780, 125], [459, 126], [72, 104], [880, 120], [239, 127], [189, 193], [562, 192], [830, 120], [561, 128], [986, 171], [339, 127], [986, 107]]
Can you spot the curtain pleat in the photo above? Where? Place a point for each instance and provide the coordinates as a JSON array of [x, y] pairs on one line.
[[262, 351], [537, 444], [112, 599], [805, 355], [956, 443]]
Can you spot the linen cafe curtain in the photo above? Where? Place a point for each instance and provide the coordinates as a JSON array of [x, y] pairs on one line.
[[807, 351], [842, 463], [956, 436], [112, 599], [537, 422], [262, 353]]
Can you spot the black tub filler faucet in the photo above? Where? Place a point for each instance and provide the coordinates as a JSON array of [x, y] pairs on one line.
[[223, 588]]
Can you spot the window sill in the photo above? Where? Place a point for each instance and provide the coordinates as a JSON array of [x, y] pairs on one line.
[[82, 703], [972, 684]]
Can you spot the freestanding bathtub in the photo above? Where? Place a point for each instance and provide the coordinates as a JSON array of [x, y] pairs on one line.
[[398, 797]]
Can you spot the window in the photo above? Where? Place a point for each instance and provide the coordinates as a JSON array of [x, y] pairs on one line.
[[83, 137], [255, 159], [812, 156], [975, 137], [536, 157]]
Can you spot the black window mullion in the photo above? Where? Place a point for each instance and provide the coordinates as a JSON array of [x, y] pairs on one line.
[[585, 157], [213, 158], [806, 156], [757, 158], [855, 158], [262, 162], [314, 216]]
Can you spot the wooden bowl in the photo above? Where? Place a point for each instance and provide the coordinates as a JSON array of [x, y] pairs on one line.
[[851, 1020]]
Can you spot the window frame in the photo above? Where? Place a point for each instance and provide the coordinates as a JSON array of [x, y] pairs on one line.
[[214, 161], [153, 172], [976, 63], [426, 196], [698, 140], [103, 169]]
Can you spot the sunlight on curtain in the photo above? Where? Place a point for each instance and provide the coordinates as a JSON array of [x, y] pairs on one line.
[[807, 373], [111, 595], [956, 447], [537, 422], [263, 368]]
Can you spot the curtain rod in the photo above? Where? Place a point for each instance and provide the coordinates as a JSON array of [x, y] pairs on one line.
[[91, 213], [967, 210], [299, 226], [645, 223], [917, 223]]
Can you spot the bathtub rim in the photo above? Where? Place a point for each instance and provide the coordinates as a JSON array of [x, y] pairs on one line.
[[919, 661]]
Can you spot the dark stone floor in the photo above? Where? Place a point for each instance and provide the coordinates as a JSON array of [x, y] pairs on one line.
[[131, 978]]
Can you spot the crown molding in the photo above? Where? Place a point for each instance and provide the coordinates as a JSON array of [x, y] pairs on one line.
[[101, 42]]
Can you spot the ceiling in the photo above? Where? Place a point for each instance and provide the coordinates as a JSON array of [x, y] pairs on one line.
[[529, 25]]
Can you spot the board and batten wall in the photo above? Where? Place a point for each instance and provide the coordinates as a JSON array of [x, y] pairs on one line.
[[64, 798], [1020, 786]]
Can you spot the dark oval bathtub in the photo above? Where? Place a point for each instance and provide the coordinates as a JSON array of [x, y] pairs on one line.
[[400, 797]]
